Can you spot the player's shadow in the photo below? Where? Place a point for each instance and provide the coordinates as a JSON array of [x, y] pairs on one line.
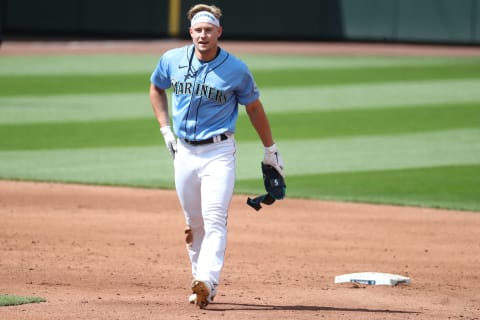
[[225, 306]]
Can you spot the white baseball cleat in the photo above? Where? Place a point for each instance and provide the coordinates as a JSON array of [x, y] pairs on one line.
[[203, 293]]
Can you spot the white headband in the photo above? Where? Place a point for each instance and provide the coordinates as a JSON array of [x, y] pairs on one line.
[[205, 16]]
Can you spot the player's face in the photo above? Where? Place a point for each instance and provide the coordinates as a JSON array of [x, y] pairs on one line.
[[205, 37]]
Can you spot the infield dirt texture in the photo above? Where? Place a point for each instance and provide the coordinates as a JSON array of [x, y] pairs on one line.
[[118, 253]]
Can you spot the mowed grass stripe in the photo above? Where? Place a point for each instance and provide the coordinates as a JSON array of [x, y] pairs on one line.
[[366, 153], [287, 100], [78, 64], [81, 107], [373, 95], [152, 165], [305, 125], [22, 85], [344, 123], [73, 84], [145, 63], [73, 135], [453, 187], [321, 62], [315, 77]]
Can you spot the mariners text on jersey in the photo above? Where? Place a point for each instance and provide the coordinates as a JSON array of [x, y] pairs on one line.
[[199, 89]]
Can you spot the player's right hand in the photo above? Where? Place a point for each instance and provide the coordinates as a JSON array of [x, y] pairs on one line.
[[170, 140]]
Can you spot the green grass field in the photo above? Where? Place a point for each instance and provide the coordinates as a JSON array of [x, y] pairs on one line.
[[397, 130], [11, 300]]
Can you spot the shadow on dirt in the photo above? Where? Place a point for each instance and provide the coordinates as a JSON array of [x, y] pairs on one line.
[[266, 307]]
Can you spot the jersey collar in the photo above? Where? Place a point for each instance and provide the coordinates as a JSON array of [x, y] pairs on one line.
[[212, 64]]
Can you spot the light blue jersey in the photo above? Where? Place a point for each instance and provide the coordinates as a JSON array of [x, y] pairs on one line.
[[205, 95]]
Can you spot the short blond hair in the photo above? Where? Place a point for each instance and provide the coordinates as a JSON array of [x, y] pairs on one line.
[[216, 11]]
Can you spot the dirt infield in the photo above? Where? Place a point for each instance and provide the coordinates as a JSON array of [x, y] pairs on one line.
[[118, 253]]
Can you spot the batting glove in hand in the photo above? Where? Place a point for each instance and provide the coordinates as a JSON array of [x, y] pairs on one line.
[[273, 158], [170, 140]]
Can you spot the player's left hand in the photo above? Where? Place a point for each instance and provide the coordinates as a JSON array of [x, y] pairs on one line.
[[273, 158], [170, 140]]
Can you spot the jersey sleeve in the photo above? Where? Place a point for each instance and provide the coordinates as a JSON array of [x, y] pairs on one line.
[[161, 75], [247, 91]]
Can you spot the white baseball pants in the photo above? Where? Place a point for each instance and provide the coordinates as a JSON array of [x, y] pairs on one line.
[[205, 180]]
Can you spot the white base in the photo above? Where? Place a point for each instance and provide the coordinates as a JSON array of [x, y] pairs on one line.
[[372, 278]]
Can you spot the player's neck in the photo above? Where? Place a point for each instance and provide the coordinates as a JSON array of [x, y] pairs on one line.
[[209, 55]]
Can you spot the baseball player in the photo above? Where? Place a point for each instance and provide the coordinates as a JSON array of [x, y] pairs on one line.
[[207, 85]]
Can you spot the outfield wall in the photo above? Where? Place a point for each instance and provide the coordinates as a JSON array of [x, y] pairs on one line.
[[66, 18], [430, 21]]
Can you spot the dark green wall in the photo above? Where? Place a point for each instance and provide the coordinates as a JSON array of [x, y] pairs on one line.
[[255, 19], [86, 17], [449, 21], [2, 10], [431, 21]]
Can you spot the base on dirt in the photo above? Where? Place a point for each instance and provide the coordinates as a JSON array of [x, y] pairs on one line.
[[372, 278]]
